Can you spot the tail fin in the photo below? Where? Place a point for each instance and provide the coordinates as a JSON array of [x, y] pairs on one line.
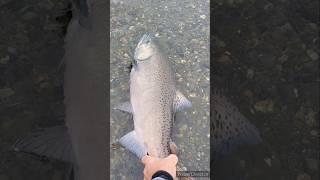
[[229, 127], [49, 142]]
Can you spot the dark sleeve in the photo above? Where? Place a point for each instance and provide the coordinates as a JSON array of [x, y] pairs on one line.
[[162, 175]]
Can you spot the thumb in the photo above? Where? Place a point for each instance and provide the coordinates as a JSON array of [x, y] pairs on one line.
[[173, 158]]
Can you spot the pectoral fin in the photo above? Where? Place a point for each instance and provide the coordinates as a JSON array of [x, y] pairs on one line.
[[181, 102], [130, 142], [126, 107], [49, 142]]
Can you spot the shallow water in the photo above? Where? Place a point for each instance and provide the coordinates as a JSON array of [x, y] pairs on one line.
[[183, 29]]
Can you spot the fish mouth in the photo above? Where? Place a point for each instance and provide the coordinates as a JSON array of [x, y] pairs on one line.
[[145, 39]]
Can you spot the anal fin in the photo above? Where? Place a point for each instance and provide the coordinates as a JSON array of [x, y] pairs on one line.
[[130, 142]]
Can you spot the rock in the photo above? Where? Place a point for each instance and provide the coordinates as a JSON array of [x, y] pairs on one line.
[[220, 43], [5, 59], [6, 92], [250, 73], [311, 119], [283, 58], [266, 60], [203, 16], [296, 92], [29, 16], [303, 176], [300, 113], [248, 93], [12, 50], [312, 164], [268, 6], [3, 177], [314, 133], [242, 163], [123, 40], [305, 141], [4, 2], [313, 55], [224, 59], [264, 106], [268, 161], [57, 175]]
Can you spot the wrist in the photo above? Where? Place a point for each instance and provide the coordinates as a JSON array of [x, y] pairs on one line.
[[162, 174]]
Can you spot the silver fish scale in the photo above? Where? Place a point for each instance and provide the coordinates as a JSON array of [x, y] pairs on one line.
[[157, 72], [168, 114]]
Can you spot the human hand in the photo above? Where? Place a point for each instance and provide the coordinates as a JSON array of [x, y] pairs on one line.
[[153, 164]]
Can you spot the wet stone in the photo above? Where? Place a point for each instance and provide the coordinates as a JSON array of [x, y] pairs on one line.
[[250, 73], [264, 106], [3, 2], [283, 58], [57, 175], [311, 118], [29, 16], [268, 161], [5, 60], [242, 163], [303, 177], [12, 50], [312, 164], [3, 177], [313, 55], [314, 133], [6, 92]]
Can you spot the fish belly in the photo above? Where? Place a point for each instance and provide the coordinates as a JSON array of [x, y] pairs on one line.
[[152, 107]]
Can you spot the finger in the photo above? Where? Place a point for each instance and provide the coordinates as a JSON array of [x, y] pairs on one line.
[[173, 158], [144, 175], [146, 159]]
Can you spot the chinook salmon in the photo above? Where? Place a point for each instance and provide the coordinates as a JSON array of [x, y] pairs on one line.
[[154, 100], [82, 141]]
